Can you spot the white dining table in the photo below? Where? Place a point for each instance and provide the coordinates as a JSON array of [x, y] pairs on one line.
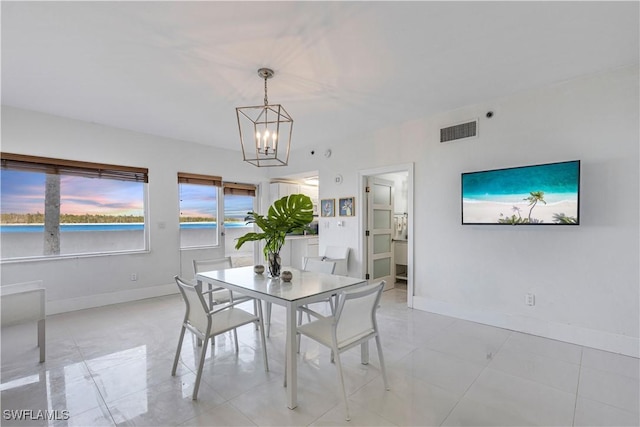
[[305, 287]]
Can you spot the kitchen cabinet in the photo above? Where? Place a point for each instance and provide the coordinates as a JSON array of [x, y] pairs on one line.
[[278, 190], [400, 259], [296, 248], [312, 192]]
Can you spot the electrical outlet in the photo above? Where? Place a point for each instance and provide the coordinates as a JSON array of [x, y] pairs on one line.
[[134, 277], [530, 299]]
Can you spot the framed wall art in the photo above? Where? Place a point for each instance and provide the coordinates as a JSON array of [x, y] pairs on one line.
[[328, 207], [546, 194], [347, 206]]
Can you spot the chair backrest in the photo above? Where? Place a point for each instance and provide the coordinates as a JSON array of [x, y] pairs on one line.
[[196, 313], [200, 265], [356, 313], [336, 252], [319, 266]]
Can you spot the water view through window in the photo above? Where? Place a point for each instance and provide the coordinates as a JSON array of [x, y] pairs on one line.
[[198, 217], [94, 215]]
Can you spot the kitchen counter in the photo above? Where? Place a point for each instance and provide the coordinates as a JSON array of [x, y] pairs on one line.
[[301, 236]]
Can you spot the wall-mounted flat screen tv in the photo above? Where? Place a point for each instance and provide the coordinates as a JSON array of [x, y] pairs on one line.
[[547, 194]]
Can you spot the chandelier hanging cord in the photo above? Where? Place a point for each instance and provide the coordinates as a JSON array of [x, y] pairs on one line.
[[265, 73], [266, 100]]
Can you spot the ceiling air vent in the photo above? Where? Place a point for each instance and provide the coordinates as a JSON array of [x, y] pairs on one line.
[[459, 131]]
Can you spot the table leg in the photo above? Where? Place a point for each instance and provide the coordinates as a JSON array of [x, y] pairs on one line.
[[292, 362]]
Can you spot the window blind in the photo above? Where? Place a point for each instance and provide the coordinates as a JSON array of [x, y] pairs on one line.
[[73, 167], [192, 178], [237, 189]]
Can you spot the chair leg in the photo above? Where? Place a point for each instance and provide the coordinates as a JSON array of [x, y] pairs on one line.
[[381, 358], [255, 309], [235, 337], [344, 390], [175, 360], [308, 316], [196, 386], [42, 342], [268, 317], [260, 322], [364, 353], [298, 336]]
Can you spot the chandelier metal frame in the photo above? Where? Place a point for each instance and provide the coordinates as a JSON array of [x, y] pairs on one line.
[[265, 130]]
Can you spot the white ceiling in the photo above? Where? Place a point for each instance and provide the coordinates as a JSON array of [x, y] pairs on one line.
[[179, 69]]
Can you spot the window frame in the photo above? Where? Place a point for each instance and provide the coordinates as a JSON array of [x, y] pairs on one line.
[[205, 180], [48, 165]]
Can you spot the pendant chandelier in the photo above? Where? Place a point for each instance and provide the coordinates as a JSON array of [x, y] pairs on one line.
[[265, 130]]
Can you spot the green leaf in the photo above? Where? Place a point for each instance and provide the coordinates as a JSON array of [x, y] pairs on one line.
[[290, 214]]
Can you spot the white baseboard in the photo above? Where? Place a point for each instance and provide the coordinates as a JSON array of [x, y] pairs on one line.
[[81, 303], [615, 343]]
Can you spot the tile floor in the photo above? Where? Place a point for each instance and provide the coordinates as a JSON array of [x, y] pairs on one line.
[[111, 366]]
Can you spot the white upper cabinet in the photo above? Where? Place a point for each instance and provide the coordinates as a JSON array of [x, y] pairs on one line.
[[277, 190]]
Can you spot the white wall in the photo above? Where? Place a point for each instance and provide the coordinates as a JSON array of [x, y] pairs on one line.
[[81, 282], [585, 278]]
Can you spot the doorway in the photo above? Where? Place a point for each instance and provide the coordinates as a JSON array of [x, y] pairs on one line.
[[387, 226]]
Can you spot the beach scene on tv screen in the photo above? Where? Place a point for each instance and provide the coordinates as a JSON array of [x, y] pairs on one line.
[[541, 194]]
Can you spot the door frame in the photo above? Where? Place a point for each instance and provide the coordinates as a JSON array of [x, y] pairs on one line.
[[362, 224]]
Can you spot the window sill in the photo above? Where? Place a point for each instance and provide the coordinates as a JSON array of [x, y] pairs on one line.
[[71, 256]]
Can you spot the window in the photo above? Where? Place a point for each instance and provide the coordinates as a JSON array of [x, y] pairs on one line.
[[238, 201], [198, 210], [52, 207]]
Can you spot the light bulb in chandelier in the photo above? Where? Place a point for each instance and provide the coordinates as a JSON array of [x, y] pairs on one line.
[[262, 141]]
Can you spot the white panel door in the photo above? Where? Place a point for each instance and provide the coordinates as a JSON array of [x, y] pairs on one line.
[[380, 231]]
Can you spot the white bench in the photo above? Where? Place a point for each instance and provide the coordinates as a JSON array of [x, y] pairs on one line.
[[25, 302]]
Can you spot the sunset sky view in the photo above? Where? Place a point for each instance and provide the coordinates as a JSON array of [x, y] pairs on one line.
[[23, 192]]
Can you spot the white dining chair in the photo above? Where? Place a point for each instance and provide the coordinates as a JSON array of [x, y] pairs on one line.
[[319, 266], [353, 323], [205, 323], [338, 254], [314, 265], [219, 295]]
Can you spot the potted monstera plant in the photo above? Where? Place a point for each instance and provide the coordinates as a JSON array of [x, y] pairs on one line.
[[290, 214]]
